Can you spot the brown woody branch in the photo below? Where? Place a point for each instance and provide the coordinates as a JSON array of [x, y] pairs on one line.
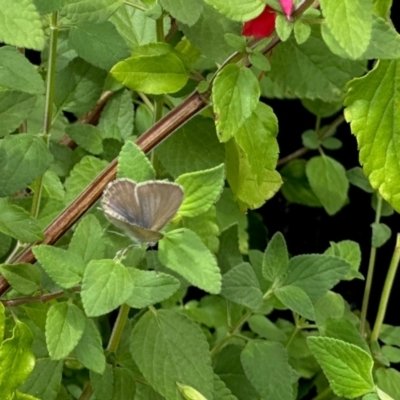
[[154, 136]]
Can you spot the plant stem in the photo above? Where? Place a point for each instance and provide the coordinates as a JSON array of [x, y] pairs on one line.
[[134, 5], [370, 274], [386, 290], [113, 343], [48, 109], [325, 393], [118, 328], [303, 150]]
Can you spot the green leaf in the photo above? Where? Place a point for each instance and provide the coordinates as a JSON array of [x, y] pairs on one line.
[[64, 267], [65, 324], [133, 164], [357, 178], [103, 383], [106, 285], [168, 344], [89, 350], [183, 251], [384, 43], [186, 11], [239, 10], [153, 69], [88, 10], [211, 27], [296, 300], [124, 384], [350, 23], [302, 31], [321, 108], [5, 243], [296, 187], [98, 43], [229, 368], [194, 147], [51, 186], [118, 115], [205, 227], [235, 96], [18, 223], [389, 381], [78, 86], [228, 253], [371, 111], [16, 359], [45, 379], [390, 335], [202, 189], [276, 258], [87, 239], [347, 367], [221, 392], [44, 7], [135, 26], [330, 305], [87, 136], [150, 287], [23, 158], [24, 278], [381, 233], [244, 184], [328, 180], [342, 329], [260, 61], [257, 138], [310, 139], [349, 251], [315, 273], [15, 106], [20, 25], [240, 285], [266, 366], [331, 143], [18, 73], [82, 175], [283, 27], [323, 75], [265, 328]]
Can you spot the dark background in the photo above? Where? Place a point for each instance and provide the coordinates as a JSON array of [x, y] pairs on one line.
[[309, 230]]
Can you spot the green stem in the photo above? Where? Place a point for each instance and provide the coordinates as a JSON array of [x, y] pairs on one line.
[[48, 109], [118, 328], [370, 274], [387, 290], [134, 5], [292, 336], [232, 331], [160, 29], [113, 343]]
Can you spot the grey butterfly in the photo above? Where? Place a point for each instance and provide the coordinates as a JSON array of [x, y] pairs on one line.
[[141, 209]]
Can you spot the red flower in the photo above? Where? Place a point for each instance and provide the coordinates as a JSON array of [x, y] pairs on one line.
[[261, 26]]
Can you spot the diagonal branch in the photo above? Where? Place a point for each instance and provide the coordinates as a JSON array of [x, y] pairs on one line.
[[154, 136]]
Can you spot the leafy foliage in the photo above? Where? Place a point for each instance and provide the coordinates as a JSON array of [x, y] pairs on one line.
[[207, 312]]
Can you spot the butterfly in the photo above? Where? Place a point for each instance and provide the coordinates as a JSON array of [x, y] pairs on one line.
[[141, 210]]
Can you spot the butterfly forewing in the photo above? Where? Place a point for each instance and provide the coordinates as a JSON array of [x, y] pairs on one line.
[[159, 201], [119, 201]]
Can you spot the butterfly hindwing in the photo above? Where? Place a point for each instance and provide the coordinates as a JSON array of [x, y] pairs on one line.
[[159, 201]]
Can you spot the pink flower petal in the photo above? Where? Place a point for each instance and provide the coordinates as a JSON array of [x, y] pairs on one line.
[[261, 26], [287, 7]]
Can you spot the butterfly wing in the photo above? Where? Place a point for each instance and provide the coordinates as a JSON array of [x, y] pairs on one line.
[[119, 201], [159, 201]]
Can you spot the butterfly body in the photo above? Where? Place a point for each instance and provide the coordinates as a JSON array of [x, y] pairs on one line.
[[141, 209]]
